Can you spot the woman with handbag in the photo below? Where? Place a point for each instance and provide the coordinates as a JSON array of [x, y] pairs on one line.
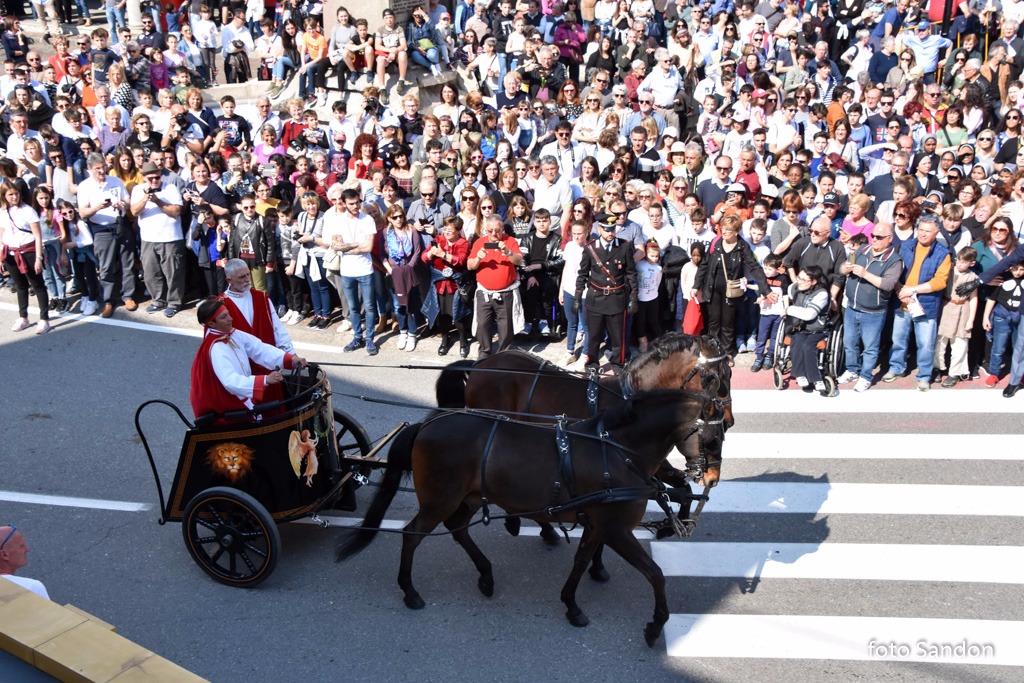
[[400, 251], [21, 247], [720, 281], [310, 236]]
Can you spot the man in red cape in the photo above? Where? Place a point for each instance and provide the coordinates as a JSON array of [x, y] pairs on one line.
[[223, 375], [253, 313]]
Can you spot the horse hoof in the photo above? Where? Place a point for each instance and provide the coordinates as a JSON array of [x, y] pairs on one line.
[[549, 535], [414, 601], [651, 633], [512, 525], [577, 618], [486, 585], [599, 574]]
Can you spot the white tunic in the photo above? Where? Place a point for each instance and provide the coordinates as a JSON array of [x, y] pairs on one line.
[[243, 300], [230, 361]]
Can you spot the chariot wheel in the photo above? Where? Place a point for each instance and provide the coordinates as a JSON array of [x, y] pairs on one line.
[[231, 536], [353, 440], [777, 378]]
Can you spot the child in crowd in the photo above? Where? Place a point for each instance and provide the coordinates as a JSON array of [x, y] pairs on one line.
[[86, 264], [707, 123], [770, 314], [238, 129], [956, 321], [1002, 319], [758, 241], [296, 285], [648, 279], [204, 241], [687, 295], [314, 137]]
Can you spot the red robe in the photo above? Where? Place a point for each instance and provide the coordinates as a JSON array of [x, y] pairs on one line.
[[207, 394], [262, 328]]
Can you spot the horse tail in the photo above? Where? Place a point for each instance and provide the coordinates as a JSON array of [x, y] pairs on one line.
[[399, 462], [451, 385]]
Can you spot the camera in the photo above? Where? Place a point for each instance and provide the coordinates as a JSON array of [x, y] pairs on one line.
[[148, 190], [181, 120], [372, 103], [298, 144]]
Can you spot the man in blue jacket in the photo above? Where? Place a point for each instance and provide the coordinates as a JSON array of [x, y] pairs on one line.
[[926, 265]]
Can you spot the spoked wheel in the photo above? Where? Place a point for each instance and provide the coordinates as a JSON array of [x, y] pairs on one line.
[[352, 438], [231, 536], [353, 442], [830, 386], [777, 378], [837, 355]]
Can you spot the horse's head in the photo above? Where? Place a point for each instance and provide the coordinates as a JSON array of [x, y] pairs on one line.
[[682, 361], [699, 438]]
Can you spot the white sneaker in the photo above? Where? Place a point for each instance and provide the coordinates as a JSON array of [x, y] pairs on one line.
[[345, 325], [545, 329], [410, 342], [581, 364], [42, 327], [20, 324], [90, 307], [403, 339], [848, 377], [863, 384], [568, 359], [294, 317], [802, 382]]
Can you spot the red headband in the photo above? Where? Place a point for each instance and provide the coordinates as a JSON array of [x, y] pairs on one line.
[[206, 323]]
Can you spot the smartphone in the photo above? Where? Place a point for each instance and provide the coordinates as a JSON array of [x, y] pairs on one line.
[[108, 201], [270, 172], [490, 245], [928, 206]]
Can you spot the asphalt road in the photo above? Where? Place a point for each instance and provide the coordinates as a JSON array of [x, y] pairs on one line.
[[68, 404]]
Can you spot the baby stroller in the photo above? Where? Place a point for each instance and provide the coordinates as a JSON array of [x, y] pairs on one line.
[[831, 358]]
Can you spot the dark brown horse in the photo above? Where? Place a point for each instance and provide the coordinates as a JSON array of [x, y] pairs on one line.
[[531, 384], [535, 471], [531, 388]]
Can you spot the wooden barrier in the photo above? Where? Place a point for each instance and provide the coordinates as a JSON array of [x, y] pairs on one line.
[[72, 645]]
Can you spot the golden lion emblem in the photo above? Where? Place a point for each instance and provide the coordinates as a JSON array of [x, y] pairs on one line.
[[230, 460]]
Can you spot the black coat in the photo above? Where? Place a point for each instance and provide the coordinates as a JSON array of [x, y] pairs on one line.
[[739, 260], [609, 276]]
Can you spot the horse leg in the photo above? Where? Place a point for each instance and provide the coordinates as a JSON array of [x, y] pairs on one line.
[[461, 518], [589, 544], [410, 541], [597, 571], [548, 533], [625, 544]]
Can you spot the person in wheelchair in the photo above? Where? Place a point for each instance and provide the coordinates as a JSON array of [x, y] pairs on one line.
[[807, 324]]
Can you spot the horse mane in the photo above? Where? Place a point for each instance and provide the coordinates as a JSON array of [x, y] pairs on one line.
[[661, 349]]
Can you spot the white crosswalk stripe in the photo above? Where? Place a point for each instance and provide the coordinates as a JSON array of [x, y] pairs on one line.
[[791, 599]]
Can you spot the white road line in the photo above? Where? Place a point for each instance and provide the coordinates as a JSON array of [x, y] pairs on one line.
[[857, 561], [864, 499], [146, 327], [68, 501], [950, 641], [857, 446], [757, 401]]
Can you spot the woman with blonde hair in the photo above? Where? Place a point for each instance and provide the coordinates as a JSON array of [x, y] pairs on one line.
[[120, 90]]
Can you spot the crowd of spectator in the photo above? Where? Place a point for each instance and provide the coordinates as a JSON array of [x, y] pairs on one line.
[[752, 155]]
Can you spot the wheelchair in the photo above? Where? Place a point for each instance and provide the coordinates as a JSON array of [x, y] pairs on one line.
[[831, 356]]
